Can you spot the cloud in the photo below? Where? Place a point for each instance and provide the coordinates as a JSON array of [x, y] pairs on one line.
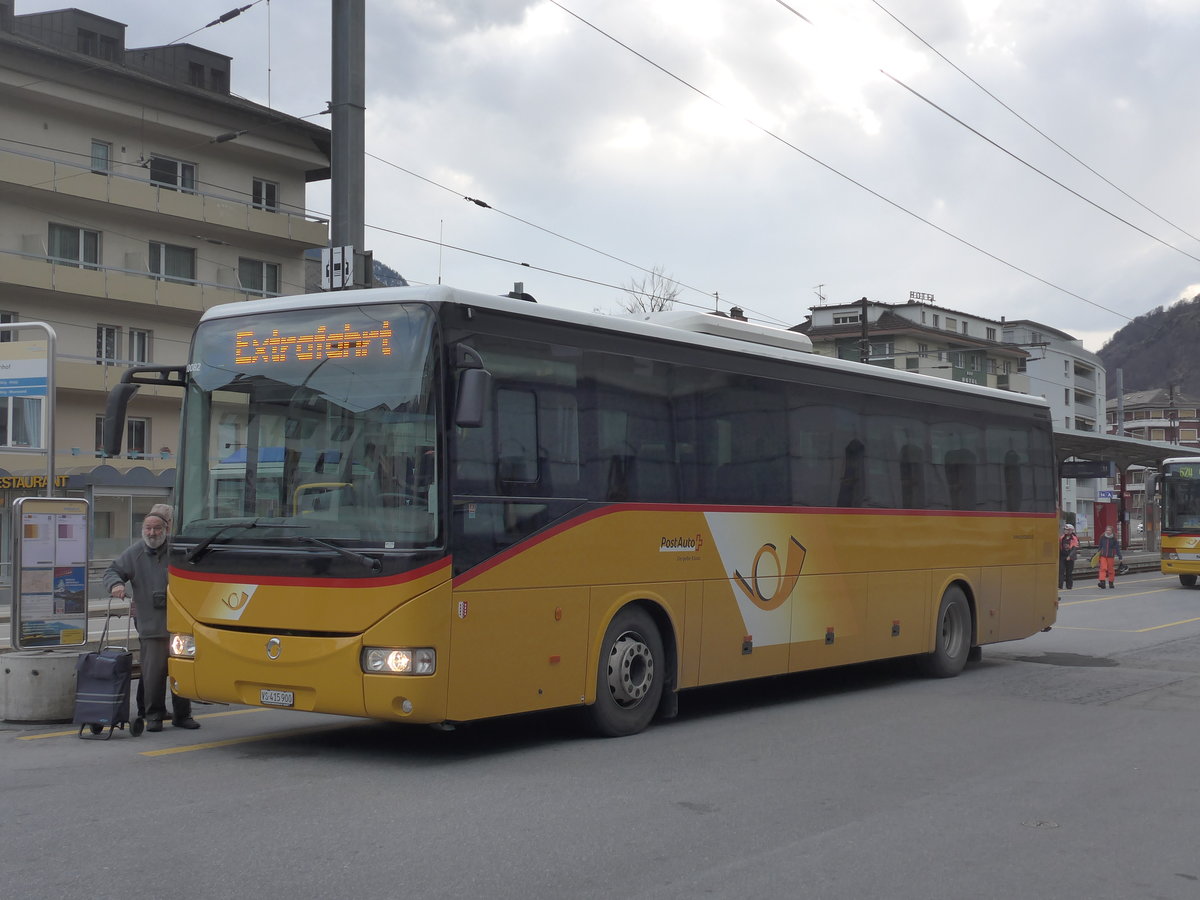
[[525, 106]]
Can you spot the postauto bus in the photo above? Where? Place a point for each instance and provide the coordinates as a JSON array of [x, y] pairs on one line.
[[434, 506]]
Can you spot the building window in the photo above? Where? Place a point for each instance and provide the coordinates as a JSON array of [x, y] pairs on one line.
[[74, 246], [1035, 337], [935, 320], [101, 157], [1188, 434], [258, 277], [139, 346], [136, 433], [1158, 434], [7, 318], [21, 421], [1022, 364], [951, 324], [220, 80], [108, 344], [172, 174], [883, 350], [1007, 367], [266, 196], [991, 334], [172, 263], [196, 74], [99, 436], [1067, 396], [1067, 423], [923, 350], [964, 327]]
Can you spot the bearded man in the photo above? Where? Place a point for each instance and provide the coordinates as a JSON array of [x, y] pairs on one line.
[[144, 566]]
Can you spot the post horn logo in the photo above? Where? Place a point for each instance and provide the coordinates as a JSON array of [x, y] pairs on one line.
[[236, 600], [784, 579], [274, 648]]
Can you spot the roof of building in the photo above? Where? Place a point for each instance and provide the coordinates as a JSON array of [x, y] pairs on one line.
[[893, 323], [91, 67], [1158, 398]]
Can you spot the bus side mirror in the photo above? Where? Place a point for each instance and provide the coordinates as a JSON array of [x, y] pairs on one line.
[[114, 418], [474, 386]]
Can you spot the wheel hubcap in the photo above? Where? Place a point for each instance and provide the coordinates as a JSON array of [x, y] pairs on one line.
[[630, 669], [953, 630]]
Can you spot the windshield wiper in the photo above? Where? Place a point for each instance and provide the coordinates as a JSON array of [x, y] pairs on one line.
[[201, 548], [367, 562]]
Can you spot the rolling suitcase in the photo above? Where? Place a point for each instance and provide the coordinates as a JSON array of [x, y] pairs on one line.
[[102, 679]]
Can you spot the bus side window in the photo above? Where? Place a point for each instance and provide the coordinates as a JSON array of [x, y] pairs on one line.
[[961, 478], [852, 488]]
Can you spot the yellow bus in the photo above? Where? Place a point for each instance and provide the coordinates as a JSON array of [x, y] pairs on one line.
[[1178, 488], [436, 506]]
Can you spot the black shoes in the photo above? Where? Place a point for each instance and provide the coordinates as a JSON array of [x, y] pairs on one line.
[[154, 725], [1100, 584], [188, 723], [1111, 586]]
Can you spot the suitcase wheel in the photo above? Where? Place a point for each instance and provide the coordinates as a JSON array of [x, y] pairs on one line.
[[96, 729], [137, 726]]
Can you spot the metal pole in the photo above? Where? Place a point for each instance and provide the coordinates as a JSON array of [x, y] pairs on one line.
[[51, 356], [348, 145], [864, 342]]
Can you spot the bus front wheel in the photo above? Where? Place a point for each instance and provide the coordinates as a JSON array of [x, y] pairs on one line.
[[630, 675], [952, 638], [1187, 580]]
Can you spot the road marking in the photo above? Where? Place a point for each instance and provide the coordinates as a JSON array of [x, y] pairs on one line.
[[248, 739], [1113, 596], [51, 734], [1168, 625]]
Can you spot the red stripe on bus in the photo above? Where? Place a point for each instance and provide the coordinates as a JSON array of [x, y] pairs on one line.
[[286, 581], [771, 510]]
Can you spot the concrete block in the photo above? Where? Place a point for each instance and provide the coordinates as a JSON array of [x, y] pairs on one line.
[[38, 685]]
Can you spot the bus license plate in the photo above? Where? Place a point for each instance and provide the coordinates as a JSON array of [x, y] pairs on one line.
[[276, 698]]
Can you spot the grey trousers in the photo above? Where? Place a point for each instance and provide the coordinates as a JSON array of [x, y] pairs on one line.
[[153, 685]]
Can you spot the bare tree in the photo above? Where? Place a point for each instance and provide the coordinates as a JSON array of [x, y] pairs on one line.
[[653, 292]]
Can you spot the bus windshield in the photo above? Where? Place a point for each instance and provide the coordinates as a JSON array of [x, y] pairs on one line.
[[319, 422], [1181, 497]]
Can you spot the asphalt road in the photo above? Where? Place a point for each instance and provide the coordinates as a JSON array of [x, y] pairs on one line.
[[1062, 766]]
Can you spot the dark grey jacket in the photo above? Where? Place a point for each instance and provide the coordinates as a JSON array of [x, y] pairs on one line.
[[146, 571]]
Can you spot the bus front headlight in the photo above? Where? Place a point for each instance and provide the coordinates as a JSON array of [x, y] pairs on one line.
[[182, 646], [399, 660]]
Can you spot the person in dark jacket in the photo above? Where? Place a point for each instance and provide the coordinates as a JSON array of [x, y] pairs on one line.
[[1109, 550], [1068, 550], [144, 566]]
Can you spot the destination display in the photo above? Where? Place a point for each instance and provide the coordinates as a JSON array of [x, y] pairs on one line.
[[251, 349]]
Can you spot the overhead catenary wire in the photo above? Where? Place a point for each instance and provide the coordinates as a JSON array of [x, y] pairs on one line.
[[483, 204], [1024, 120], [833, 170]]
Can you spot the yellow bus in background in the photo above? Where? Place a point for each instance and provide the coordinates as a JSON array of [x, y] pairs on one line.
[[436, 506], [1178, 488]]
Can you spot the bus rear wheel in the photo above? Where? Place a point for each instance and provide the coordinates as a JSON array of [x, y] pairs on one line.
[[629, 678], [952, 638], [1187, 580]]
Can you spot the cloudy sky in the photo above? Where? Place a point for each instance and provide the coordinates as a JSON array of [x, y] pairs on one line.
[[755, 150]]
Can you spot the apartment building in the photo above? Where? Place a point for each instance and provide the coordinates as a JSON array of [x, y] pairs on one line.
[[919, 337], [1163, 414], [135, 192]]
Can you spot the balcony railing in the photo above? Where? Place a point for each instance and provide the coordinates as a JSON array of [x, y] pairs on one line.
[[224, 208], [38, 270]]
